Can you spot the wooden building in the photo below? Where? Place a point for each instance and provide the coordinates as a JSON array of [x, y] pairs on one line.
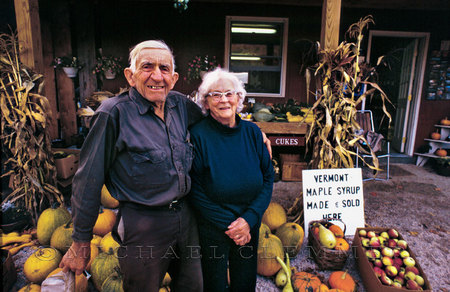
[[50, 28]]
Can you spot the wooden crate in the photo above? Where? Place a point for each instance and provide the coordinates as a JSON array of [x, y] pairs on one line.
[[292, 170], [289, 158]]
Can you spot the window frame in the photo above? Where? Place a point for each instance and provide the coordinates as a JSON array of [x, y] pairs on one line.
[[285, 23]]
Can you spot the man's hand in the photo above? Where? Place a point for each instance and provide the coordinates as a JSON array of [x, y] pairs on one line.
[[268, 144], [76, 258], [239, 231]]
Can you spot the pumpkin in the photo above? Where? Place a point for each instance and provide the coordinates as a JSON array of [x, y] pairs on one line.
[[336, 290], [164, 289], [96, 240], [166, 281], [435, 135], [48, 221], [445, 121], [342, 280], [441, 152], [291, 235], [322, 288], [342, 244], [81, 282], [62, 237], [41, 263], [262, 231], [337, 231], [102, 266], [269, 248], [108, 242], [105, 222], [30, 288], [94, 253], [274, 216], [303, 281], [107, 200], [114, 283]]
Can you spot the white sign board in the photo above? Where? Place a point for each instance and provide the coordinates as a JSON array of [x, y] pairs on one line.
[[334, 193]]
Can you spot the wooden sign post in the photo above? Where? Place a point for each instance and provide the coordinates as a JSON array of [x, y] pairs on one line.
[[334, 193]]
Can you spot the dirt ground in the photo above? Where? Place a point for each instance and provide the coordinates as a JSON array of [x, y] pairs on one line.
[[415, 201]]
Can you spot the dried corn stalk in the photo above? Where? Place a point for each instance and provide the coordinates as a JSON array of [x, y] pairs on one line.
[[27, 160], [332, 136]]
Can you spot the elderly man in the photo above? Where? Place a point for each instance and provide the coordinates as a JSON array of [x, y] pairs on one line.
[[139, 147]]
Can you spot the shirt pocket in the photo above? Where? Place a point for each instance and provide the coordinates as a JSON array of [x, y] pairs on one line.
[[150, 167]]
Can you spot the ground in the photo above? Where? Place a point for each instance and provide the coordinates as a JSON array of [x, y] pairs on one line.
[[414, 201]]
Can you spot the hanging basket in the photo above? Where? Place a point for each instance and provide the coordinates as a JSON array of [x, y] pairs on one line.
[[110, 74], [71, 72]]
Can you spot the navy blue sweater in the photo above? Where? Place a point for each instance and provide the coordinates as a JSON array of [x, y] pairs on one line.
[[232, 173]]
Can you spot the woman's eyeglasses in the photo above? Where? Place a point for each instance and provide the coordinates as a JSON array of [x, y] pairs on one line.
[[217, 95]]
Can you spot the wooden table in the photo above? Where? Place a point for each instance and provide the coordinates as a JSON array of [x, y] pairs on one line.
[[284, 134]]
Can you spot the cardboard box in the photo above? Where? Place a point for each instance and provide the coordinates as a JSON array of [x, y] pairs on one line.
[[66, 167], [370, 280], [292, 171]]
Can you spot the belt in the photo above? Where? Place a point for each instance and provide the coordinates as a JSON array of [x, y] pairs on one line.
[[172, 206]]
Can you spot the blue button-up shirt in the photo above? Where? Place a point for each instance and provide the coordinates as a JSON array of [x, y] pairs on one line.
[[140, 157]]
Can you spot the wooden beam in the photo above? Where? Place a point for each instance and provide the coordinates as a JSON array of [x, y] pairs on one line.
[[331, 17], [29, 33]]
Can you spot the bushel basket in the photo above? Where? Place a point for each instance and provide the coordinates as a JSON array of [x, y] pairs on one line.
[[326, 259]]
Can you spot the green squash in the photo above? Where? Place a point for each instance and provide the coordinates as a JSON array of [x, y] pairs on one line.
[[48, 221], [102, 267]]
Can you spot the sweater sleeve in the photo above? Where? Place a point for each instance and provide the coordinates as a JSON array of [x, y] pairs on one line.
[[254, 212]]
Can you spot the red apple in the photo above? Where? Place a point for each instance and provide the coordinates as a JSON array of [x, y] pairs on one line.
[[396, 252], [378, 271], [400, 280], [384, 234], [362, 232], [371, 255], [379, 263], [371, 234], [391, 271], [385, 279], [365, 242], [374, 242], [387, 261], [398, 263], [392, 243], [401, 272], [412, 269], [392, 233], [410, 276], [412, 285], [409, 262], [397, 285], [402, 244]]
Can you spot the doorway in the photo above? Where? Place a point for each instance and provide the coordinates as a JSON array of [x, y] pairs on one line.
[[402, 80]]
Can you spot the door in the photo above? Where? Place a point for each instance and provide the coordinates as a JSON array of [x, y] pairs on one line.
[[404, 96]]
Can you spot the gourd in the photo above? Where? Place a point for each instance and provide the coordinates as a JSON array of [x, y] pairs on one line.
[[291, 235], [303, 281], [274, 216], [107, 200], [81, 282], [41, 263], [108, 242], [48, 221], [30, 288], [114, 283], [94, 254], [103, 265], [342, 244], [269, 248], [262, 231], [441, 152], [445, 121], [337, 231], [323, 288], [342, 280], [62, 237], [96, 239], [105, 222]]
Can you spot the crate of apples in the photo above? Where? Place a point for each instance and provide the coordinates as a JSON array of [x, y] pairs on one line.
[[385, 261]]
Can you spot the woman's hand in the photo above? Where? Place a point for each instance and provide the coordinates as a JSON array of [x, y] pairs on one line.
[[239, 231]]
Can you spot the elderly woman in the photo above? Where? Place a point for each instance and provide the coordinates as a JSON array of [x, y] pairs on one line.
[[232, 179]]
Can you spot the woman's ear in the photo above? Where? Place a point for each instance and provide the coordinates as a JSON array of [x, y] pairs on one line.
[[129, 76]]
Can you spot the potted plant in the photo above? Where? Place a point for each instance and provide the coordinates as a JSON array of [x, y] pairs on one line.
[[108, 66], [198, 66], [69, 64]]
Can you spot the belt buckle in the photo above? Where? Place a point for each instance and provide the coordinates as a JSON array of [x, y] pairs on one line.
[[173, 205]]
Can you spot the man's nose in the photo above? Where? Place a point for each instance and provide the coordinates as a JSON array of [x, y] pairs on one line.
[[157, 75]]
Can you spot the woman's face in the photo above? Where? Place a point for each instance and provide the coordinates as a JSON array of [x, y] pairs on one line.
[[222, 107]]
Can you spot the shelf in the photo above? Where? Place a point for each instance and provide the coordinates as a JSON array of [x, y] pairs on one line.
[[429, 155], [442, 126], [438, 141]]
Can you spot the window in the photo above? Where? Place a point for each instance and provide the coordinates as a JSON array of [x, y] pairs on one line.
[[257, 47]]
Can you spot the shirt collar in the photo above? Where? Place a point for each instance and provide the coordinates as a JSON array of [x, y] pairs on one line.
[[144, 105]]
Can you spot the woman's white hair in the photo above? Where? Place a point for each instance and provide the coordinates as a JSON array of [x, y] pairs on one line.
[[152, 44], [213, 79]]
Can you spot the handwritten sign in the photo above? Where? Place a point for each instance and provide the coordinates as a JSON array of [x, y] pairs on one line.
[[334, 193]]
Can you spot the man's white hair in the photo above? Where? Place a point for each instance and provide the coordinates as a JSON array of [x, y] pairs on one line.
[[151, 44]]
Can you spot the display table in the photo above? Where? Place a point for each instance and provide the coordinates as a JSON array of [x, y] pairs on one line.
[[284, 134]]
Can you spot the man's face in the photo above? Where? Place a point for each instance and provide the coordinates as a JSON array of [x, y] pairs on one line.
[[153, 77]]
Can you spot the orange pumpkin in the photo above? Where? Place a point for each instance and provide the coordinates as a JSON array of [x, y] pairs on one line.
[[342, 244], [336, 290], [105, 222], [445, 121], [441, 152], [323, 288], [435, 135], [342, 280], [303, 281], [336, 230]]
